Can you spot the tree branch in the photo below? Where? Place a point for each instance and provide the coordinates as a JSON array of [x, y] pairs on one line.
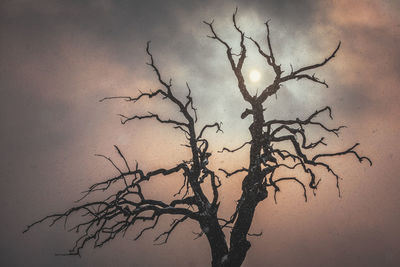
[[297, 74], [350, 150], [166, 234], [217, 125], [237, 68], [235, 149], [125, 119], [228, 174], [135, 99]]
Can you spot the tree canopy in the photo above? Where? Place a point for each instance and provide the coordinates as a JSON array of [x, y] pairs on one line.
[[274, 145]]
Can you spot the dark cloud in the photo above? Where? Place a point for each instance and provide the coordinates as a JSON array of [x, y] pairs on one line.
[[57, 58]]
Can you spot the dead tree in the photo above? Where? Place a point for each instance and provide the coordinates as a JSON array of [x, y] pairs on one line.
[[106, 219]]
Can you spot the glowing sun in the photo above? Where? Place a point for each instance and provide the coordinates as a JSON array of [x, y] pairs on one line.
[[254, 75]]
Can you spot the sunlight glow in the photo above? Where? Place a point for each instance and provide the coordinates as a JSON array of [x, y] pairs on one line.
[[254, 76]]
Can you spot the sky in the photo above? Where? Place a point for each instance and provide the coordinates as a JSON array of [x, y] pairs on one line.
[[58, 58]]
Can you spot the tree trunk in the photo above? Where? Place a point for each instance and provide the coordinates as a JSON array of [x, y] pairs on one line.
[[239, 245], [253, 193], [216, 239]]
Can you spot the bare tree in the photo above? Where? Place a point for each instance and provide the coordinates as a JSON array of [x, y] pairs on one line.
[[103, 220]]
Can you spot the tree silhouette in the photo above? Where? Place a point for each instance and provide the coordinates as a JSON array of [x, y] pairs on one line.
[[274, 145]]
